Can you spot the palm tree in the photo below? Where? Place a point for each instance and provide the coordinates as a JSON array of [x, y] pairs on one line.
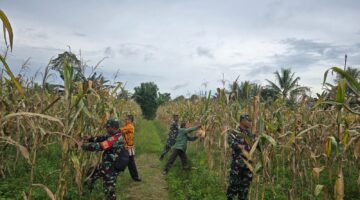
[[287, 87], [244, 91]]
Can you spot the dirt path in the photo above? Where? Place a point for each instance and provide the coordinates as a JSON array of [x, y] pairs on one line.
[[153, 185]]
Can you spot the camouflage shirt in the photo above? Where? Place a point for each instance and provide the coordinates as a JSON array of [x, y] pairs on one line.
[[174, 129], [112, 145], [237, 137]]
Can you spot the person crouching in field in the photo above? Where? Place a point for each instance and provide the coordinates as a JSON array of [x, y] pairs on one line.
[[128, 131], [240, 175], [174, 128], [113, 157], [179, 148]]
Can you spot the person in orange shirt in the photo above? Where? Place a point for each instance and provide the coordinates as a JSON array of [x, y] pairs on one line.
[[128, 132]]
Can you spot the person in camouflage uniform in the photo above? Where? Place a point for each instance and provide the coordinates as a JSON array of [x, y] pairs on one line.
[[112, 145], [240, 175], [180, 146], [174, 128]]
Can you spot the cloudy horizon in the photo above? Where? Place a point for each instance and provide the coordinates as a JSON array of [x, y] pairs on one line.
[[180, 45]]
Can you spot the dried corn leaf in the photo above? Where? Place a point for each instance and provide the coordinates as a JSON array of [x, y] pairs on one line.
[[47, 190], [318, 189], [253, 148], [269, 139], [76, 163], [24, 195], [306, 130], [316, 172], [29, 114], [24, 151], [250, 167]]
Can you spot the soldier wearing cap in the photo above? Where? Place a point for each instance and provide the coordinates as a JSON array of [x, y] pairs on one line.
[[240, 175], [111, 144], [174, 128]]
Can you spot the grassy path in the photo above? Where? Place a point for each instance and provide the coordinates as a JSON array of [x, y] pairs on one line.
[[148, 146]]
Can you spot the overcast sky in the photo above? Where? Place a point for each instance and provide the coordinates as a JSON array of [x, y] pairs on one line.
[[180, 44]]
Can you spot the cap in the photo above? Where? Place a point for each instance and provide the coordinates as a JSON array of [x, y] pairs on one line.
[[245, 117], [112, 122]]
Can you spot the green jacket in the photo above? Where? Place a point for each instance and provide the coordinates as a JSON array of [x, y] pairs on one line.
[[182, 138]]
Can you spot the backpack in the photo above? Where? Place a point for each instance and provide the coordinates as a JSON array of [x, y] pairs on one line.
[[122, 160]]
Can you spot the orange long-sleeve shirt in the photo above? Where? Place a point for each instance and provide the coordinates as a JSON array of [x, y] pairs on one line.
[[128, 133]]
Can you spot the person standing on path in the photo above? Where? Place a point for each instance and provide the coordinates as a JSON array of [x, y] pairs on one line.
[[240, 175], [180, 146], [112, 145], [128, 132], [174, 128]]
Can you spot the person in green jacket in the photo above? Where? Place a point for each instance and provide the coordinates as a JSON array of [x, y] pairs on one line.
[[179, 148]]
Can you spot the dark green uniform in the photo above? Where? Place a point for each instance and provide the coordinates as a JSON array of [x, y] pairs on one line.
[[112, 145], [174, 128], [180, 146], [240, 175]]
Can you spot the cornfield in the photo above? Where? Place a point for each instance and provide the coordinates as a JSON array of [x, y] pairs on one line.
[[33, 118], [311, 148]]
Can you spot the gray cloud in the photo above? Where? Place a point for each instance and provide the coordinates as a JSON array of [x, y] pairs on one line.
[[260, 69], [145, 51], [252, 39], [305, 45], [109, 52], [141, 76], [34, 33], [180, 86], [295, 60], [204, 52], [148, 56], [277, 11], [41, 35], [48, 48], [80, 34], [305, 53], [311, 47], [127, 51], [236, 54]]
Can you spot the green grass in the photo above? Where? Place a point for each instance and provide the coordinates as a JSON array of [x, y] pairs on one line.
[[197, 183], [147, 137], [194, 184]]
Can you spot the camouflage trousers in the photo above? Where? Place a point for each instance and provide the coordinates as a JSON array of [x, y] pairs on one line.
[[240, 179], [169, 143], [107, 172]]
